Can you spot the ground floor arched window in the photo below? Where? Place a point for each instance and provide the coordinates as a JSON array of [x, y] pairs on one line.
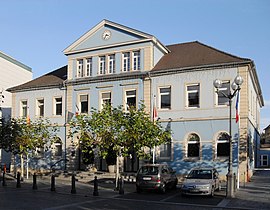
[[193, 147]]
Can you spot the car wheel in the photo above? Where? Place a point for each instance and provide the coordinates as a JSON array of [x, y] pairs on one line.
[[138, 190], [212, 191], [163, 189]]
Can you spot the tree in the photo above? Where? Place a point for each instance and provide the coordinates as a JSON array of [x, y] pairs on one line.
[[114, 130], [22, 136]]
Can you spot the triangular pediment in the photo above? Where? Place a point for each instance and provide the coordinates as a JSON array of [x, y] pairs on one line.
[[106, 34]]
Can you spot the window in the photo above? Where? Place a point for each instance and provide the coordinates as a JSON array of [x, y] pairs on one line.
[[165, 150], [89, 67], [126, 61], [223, 145], [58, 106], [105, 98], [80, 68], [165, 98], [39, 152], [24, 108], [102, 65], [111, 64], [40, 108], [58, 147], [193, 96], [136, 60], [83, 103], [225, 88], [193, 149], [130, 99], [264, 160]]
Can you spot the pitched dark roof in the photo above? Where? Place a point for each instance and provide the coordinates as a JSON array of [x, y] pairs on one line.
[[194, 54], [54, 78]]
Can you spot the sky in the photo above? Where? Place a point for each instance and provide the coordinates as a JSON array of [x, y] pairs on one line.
[[35, 32]]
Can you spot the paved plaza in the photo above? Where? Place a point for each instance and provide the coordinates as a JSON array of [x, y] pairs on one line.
[[254, 195]]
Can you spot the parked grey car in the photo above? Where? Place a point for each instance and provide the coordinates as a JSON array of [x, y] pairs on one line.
[[201, 181], [155, 177]]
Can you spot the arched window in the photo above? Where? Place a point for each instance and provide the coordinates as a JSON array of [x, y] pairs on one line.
[[58, 147], [223, 145], [193, 149]]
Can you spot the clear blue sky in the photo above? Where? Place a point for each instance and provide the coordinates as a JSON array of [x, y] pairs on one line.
[[36, 32]]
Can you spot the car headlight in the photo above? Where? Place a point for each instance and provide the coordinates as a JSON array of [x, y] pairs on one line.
[[205, 187]]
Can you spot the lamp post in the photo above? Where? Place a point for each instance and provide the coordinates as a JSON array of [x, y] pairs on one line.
[[230, 95]]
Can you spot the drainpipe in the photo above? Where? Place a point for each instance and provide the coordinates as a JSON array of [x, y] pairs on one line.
[[65, 125]]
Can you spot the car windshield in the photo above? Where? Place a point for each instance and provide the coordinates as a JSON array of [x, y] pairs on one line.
[[149, 170], [200, 174]]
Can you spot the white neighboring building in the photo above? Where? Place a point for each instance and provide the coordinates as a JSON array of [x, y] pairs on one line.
[[12, 73]]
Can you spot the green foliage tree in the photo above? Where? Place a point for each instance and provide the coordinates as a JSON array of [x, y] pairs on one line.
[[115, 131], [23, 137]]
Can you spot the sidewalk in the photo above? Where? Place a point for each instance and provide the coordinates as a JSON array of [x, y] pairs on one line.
[[255, 194]]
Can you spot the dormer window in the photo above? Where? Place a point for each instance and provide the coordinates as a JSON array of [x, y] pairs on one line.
[[126, 61]]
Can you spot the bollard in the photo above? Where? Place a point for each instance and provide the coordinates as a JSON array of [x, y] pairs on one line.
[[73, 189], [34, 181], [95, 193], [4, 183], [121, 186], [53, 183], [18, 180]]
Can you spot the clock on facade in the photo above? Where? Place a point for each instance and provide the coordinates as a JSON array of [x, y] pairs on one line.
[[106, 35]]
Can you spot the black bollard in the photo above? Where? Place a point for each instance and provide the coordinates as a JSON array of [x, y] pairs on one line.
[[18, 180], [4, 183], [53, 183], [95, 193], [121, 186], [34, 181], [73, 188]]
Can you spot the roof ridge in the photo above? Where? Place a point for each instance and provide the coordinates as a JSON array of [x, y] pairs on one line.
[[210, 47]]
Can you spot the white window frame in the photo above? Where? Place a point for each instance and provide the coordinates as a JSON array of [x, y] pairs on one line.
[[55, 103], [80, 69], [102, 100], [80, 102], [165, 94], [221, 141], [190, 92], [111, 64], [224, 90], [126, 62], [190, 141], [58, 144], [130, 96], [39, 104], [89, 67], [23, 108], [102, 65], [262, 160], [136, 57]]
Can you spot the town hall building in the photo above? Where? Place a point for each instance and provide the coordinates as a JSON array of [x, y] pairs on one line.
[[121, 65]]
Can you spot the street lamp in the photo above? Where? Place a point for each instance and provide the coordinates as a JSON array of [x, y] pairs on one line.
[[235, 87]]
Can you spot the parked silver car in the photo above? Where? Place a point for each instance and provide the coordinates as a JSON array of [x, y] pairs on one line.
[[201, 181], [155, 177]]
